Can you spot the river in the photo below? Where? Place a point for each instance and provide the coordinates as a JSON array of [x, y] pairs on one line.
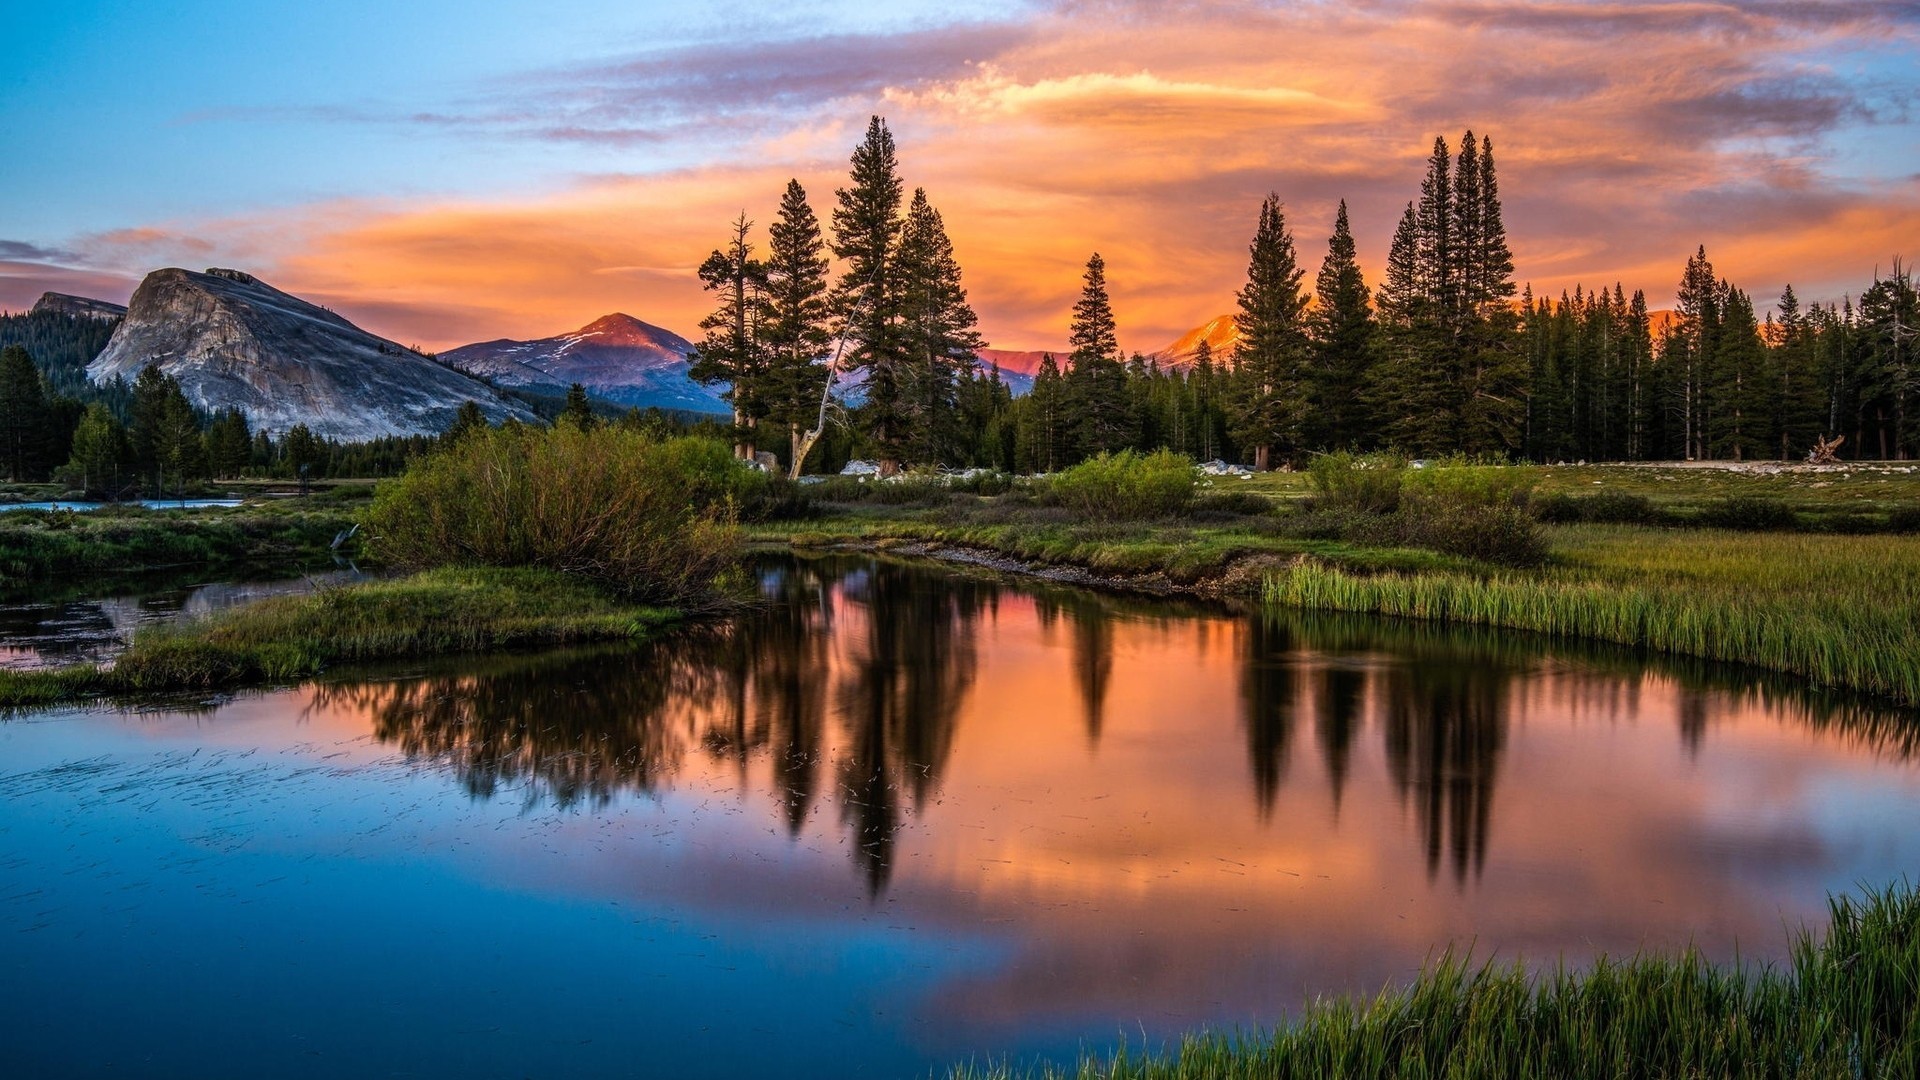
[[897, 816]]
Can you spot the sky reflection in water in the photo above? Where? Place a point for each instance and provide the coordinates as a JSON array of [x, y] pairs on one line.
[[900, 817]]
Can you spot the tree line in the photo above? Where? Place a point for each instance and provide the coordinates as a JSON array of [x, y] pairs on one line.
[[1441, 358]]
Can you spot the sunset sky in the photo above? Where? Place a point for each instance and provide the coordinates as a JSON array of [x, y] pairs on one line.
[[447, 172]]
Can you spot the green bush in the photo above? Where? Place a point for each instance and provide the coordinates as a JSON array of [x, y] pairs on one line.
[[1750, 513], [1904, 519], [1600, 508], [1370, 483], [647, 518], [1127, 486]]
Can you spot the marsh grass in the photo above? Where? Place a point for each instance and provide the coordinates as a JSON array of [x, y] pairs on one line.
[[1846, 1004], [286, 638], [39, 546], [1840, 611]]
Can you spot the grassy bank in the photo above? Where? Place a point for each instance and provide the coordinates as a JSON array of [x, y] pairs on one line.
[[432, 613], [1846, 1004], [1842, 611]]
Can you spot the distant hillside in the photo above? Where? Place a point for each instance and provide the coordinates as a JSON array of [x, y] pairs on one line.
[[617, 358], [62, 343], [1220, 333], [63, 304], [234, 341]]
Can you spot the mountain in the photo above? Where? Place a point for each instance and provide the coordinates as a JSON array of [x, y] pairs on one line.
[[234, 341], [1220, 333], [617, 358], [62, 304]]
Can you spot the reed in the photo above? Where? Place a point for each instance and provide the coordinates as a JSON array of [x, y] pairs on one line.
[[1839, 611], [1846, 1004]]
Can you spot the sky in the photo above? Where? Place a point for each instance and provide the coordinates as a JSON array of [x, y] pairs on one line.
[[445, 172]]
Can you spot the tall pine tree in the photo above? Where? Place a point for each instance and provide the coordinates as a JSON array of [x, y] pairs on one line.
[[732, 350], [866, 231], [1341, 328], [796, 330], [1269, 363]]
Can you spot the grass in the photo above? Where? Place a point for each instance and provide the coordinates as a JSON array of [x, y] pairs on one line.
[[1840, 611], [39, 546], [286, 638], [1844, 1005]]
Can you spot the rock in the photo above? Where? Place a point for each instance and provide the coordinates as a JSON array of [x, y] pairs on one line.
[[860, 468], [61, 303], [616, 358], [234, 341]]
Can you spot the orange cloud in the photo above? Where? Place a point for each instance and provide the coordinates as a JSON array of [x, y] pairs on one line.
[[1626, 134]]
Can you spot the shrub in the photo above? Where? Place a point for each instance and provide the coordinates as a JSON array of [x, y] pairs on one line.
[[1749, 513], [1370, 482], [1503, 535], [1232, 504], [1464, 486], [1904, 519], [1600, 508], [1127, 486], [648, 518]]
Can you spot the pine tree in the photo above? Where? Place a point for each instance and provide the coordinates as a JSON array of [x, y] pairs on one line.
[[1341, 329], [468, 418], [937, 334], [100, 451], [24, 435], [1434, 258], [732, 351], [1491, 275], [1739, 388], [866, 230], [578, 410], [1691, 344], [179, 450], [1269, 362], [796, 332], [1096, 381], [229, 444]]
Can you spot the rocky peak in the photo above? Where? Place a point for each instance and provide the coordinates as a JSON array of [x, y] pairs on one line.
[[85, 306]]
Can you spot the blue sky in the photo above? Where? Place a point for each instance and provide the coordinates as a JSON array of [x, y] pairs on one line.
[[450, 172]]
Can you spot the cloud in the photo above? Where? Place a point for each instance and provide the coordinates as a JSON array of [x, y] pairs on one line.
[[1626, 133]]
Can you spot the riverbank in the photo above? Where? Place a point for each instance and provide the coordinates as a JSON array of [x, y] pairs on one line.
[[39, 548], [435, 612], [1843, 1005], [1839, 609]]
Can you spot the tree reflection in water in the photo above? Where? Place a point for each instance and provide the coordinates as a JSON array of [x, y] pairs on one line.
[[855, 673]]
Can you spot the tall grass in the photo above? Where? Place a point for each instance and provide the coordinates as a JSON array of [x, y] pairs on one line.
[[1845, 1005], [1841, 611], [649, 518]]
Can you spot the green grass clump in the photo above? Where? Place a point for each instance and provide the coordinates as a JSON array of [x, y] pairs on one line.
[[1846, 1005], [436, 612]]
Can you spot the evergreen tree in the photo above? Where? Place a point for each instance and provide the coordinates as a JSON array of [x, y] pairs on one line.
[[1739, 390], [100, 451], [229, 444], [179, 451], [1889, 322], [469, 417], [937, 334], [1341, 329], [24, 428], [1044, 432], [1269, 363], [1096, 382], [578, 410], [795, 332], [732, 351], [866, 231], [304, 453]]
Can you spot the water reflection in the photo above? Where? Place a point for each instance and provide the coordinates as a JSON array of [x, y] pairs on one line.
[[898, 816], [852, 680]]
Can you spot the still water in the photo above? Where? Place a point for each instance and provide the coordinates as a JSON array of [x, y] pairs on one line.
[[901, 816]]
